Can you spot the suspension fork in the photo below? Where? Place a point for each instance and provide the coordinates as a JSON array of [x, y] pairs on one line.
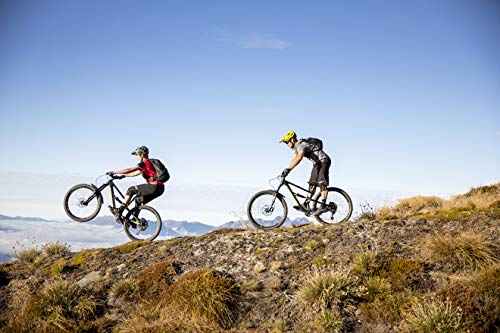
[[276, 194]]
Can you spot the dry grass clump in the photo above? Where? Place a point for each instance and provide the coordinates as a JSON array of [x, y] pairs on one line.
[[124, 289], [364, 263], [368, 213], [433, 316], [280, 326], [205, 297], [477, 198], [56, 248], [376, 288], [252, 285], [467, 251], [313, 245], [485, 197], [154, 279], [59, 306], [328, 291], [411, 206], [28, 255], [329, 300], [199, 301]]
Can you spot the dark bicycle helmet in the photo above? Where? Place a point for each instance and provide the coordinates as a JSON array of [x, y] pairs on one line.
[[141, 149]]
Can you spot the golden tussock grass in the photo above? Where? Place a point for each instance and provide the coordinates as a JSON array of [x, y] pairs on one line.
[[431, 316], [484, 197], [466, 251]]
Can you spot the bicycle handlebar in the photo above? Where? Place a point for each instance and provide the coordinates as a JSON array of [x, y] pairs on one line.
[[114, 176]]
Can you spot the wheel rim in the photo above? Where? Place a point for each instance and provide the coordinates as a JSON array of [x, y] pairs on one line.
[[76, 203], [265, 213], [143, 227], [339, 209]]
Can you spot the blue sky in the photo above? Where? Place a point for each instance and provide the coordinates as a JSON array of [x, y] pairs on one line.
[[404, 94]]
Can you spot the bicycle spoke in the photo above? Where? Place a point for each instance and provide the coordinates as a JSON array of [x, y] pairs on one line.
[[266, 211], [339, 208], [142, 224]]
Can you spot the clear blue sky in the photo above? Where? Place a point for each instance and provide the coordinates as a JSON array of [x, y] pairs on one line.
[[404, 94]]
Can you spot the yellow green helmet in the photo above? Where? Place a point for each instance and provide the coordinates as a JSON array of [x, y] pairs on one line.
[[288, 136]]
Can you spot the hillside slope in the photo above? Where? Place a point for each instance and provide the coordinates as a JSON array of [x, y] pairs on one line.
[[438, 267]]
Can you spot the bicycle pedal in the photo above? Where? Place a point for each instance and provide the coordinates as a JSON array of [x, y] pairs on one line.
[[300, 209]]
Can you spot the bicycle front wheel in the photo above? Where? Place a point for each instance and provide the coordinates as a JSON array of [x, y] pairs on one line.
[[82, 202], [339, 207], [142, 223], [267, 210]]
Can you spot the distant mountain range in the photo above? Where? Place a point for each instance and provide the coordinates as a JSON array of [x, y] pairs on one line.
[[22, 218], [171, 228]]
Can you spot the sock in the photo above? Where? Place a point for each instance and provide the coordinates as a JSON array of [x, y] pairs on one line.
[[323, 203]]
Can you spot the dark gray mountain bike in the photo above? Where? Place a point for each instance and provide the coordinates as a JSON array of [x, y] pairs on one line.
[[268, 209], [84, 201]]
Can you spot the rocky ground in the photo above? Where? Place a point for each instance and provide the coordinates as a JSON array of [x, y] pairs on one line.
[[268, 269]]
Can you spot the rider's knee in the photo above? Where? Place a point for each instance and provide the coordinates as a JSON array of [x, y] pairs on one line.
[[132, 190], [323, 187]]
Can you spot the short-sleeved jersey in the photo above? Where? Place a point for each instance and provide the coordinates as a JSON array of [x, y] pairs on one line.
[[148, 172], [311, 152]]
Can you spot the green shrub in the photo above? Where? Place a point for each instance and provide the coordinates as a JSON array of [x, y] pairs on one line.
[[478, 298], [403, 274], [433, 317], [385, 311]]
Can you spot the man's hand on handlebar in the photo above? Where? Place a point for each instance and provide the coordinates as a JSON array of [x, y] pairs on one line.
[[285, 172], [114, 176]]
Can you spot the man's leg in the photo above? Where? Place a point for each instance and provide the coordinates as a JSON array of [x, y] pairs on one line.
[[117, 212], [323, 180]]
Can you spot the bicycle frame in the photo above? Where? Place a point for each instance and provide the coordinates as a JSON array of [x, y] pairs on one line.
[[288, 185], [112, 188]]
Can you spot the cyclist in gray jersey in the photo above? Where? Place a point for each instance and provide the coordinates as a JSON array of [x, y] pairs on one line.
[[321, 166]]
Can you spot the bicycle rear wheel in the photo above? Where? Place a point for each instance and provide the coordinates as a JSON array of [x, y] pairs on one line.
[[142, 223], [267, 210], [77, 204], [339, 206]]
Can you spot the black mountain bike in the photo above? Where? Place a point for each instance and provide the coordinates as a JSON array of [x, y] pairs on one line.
[[83, 202], [268, 209]]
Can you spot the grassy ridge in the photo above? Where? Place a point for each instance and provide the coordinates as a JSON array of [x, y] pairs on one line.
[[425, 265]]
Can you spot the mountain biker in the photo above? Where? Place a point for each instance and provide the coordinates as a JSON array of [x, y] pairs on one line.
[[145, 192], [321, 166]]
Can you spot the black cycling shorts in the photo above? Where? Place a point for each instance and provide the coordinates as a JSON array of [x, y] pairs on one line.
[[320, 174], [146, 192]]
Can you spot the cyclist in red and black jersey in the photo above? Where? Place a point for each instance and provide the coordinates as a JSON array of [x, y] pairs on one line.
[[145, 192]]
